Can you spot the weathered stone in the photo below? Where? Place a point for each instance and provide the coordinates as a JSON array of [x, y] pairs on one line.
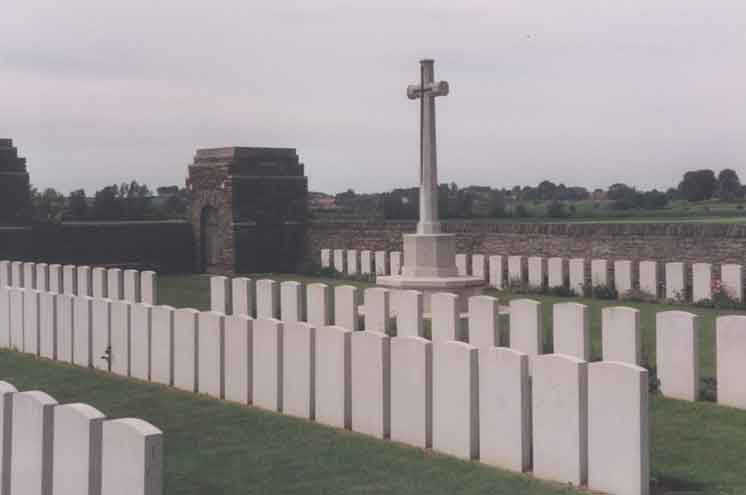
[[455, 399], [238, 358], [333, 380], [132, 458], [677, 354], [371, 383], [572, 335], [210, 364], [298, 375], [412, 391], [268, 364], [620, 335], [504, 409]]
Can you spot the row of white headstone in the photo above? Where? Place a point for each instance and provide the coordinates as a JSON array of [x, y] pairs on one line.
[[47, 448], [364, 262], [677, 332], [111, 283], [575, 274]]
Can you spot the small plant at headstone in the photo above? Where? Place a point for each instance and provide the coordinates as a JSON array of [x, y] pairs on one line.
[[604, 292], [638, 295], [678, 298], [708, 389], [561, 291]]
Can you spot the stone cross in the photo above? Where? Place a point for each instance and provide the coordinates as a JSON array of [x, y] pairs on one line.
[[426, 91]]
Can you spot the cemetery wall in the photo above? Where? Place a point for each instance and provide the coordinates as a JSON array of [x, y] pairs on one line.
[[162, 246], [714, 243]]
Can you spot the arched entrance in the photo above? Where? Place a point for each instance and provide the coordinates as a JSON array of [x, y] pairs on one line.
[[209, 242]]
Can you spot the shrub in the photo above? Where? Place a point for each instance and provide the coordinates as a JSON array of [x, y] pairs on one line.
[[637, 295], [604, 292]]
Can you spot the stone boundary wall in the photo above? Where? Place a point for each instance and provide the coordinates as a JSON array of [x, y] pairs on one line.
[[47, 447], [163, 246], [662, 242]]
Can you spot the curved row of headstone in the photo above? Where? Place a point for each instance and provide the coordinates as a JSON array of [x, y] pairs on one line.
[[667, 281], [111, 283], [47, 448]]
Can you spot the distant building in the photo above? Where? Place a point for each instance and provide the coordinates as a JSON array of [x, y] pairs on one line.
[[599, 195]]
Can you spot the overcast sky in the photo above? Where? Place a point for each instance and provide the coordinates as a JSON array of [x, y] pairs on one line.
[[587, 93]]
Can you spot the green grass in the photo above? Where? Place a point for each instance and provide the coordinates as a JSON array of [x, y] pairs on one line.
[[214, 447]]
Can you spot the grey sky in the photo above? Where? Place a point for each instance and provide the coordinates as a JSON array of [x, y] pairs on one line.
[[583, 92]]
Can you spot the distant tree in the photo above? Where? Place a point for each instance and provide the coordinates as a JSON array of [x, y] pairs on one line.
[[729, 185], [78, 205], [521, 211], [698, 185], [673, 194], [556, 209], [546, 190], [107, 204], [48, 206], [653, 200], [619, 191]]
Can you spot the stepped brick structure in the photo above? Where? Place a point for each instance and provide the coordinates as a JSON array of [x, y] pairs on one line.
[[249, 207], [15, 200]]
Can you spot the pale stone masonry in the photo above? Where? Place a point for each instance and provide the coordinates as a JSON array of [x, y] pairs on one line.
[[620, 335], [456, 399], [65, 325], [100, 332], [409, 322], [479, 266], [114, 284], [298, 375], [677, 354], [515, 271], [100, 282], [577, 275], [412, 391], [31, 443], [599, 273], [395, 261], [243, 296], [572, 335], [560, 418], [319, 304], [366, 262], [675, 279], [333, 380], [497, 272], [239, 339], [211, 341], [142, 445], [339, 261], [82, 326], [462, 263], [267, 359], [353, 262], [370, 357], [535, 272], [140, 340], [377, 309], [42, 277], [618, 437], [345, 307], [649, 277], [162, 345], [56, 284], [84, 281], [701, 281], [445, 322], [622, 276], [526, 327], [149, 287], [77, 449], [381, 263], [69, 280], [267, 299], [556, 272], [732, 280], [221, 299], [186, 350], [292, 307], [121, 324], [47, 325], [504, 409], [483, 322], [326, 260], [730, 334]]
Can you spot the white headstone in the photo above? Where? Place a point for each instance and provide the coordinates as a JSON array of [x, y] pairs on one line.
[[5, 317], [353, 263], [220, 295], [100, 332], [132, 286], [618, 443], [731, 348], [412, 391], [339, 261], [572, 335], [100, 281], [497, 272], [381, 263], [622, 276], [677, 354], [242, 289], [455, 399], [149, 287], [47, 325], [82, 325], [65, 326], [84, 281], [675, 282], [395, 260], [409, 321], [210, 365], [56, 284], [141, 339], [17, 312], [292, 302], [560, 418], [319, 304], [701, 281], [77, 449], [445, 324], [6, 424], [326, 260], [114, 284], [462, 264], [29, 275], [162, 345], [649, 277], [366, 262], [556, 272], [186, 333], [526, 327], [515, 271], [267, 299], [31, 319], [5, 274], [483, 322], [535, 272], [599, 273], [732, 281], [504, 409], [620, 335], [70, 280], [377, 309], [42, 277], [371, 383], [345, 307], [31, 443], [121, 325], [132, 458], [299, 346], [479, 266], [238, 355], [333, 381], [268, 364], [16, 269], [577, 275]]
